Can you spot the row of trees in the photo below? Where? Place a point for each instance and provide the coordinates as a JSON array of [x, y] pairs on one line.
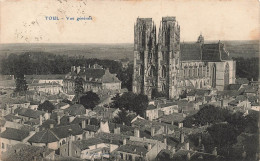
[[247, 67], [47, 63]]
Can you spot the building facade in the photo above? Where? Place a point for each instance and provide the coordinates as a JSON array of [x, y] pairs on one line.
[[170, 67], [95, 79]]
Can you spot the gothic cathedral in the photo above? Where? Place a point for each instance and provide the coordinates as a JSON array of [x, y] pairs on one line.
[[170, 67]]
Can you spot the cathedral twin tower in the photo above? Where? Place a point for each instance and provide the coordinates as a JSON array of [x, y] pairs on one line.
[[158, 66]]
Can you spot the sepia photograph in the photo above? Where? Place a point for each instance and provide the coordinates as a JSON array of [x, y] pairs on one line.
[[129, 80]]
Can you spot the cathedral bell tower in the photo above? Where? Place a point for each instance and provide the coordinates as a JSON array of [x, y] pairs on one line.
[[145, 57], [168, 57]]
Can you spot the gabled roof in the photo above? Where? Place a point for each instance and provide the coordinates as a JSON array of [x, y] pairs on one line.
[[14, 134], [190, 52], [124, 129], [84, 144], [61, 104], [55, 134], [29, 112], [26, 152], [46, 77], [65, 131], [133, 149], [76, 109], [45, 136]]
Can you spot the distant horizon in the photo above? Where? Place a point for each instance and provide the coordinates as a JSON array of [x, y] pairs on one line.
[[117, 43]]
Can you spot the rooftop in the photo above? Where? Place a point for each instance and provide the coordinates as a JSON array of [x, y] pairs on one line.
[[14, 134]]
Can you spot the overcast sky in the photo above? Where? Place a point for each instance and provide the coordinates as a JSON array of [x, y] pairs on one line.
[[23, 21]]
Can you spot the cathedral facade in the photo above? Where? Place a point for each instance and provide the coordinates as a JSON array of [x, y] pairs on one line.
[[170, 67]]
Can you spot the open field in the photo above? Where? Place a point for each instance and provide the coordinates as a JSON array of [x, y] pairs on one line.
[[246, 49]]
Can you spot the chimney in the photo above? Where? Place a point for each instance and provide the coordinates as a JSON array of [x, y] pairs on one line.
[[89, 121], [152, 131], [71, 118], [199, 140], [40, 119], [36, 129], [173, 150], [188, 156], [51, 126], [117, 130], [137, 133], [172, 123], [124, 141], [214, 152], [165, 141], [166, 129], [160, 120], [12, 110], [180, 124], [149, 147], [83, 124], [182, 137], [187, 146], [169, 147], [73, 69], [58, 119], [202, 148], [78, 69]]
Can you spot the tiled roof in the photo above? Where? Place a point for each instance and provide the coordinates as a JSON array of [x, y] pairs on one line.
[[108, 77], [12, 117], [45, 77], [124, 129], [45, 136], [233, 87], [111, 137], [56, 133], [26, 152], [92, 128], [76, 109], [210, 52], [29, 112], [241, 81], [65, 131], [190, 51], [84, 144], [133, 149], [61, 104], [14, 134], [175, 117], [151, 107], [93, 73], [46, 124]]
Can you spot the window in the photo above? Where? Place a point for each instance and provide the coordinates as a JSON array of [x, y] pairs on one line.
[[3, 146]]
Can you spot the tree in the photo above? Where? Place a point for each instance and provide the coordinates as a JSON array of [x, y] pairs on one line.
[[78, 89], [126, 76], [89, 100], [157, 94], [208, 114], [46, 106], [123, 117], [21, 84], [132, 102], [140, 104]]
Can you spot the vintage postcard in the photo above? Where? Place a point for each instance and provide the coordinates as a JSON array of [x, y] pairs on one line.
[[136, 80]]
